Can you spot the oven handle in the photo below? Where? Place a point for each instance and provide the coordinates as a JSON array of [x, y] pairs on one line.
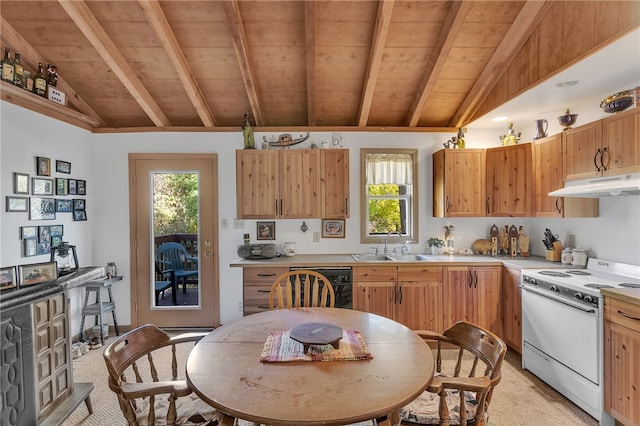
[[564, 302]]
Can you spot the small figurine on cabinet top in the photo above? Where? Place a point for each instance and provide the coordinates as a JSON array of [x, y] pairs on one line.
[[247, 132], [511, 138]]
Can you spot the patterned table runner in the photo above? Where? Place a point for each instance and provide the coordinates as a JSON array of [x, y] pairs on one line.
[[279, 347]]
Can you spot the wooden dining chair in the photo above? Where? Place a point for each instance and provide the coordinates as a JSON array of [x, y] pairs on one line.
[[301, 288], [472, 358], [143, 373]]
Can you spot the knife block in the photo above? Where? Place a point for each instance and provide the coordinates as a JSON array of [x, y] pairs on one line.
[[555, 254]]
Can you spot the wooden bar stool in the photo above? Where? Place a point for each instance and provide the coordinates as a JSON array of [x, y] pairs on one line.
[[100, 307]]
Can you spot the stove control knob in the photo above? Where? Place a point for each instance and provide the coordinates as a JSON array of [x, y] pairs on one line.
[[589, 299], [554, 288], [579, 296]]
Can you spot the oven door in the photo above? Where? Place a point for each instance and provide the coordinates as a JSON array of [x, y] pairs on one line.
[[563, 330]]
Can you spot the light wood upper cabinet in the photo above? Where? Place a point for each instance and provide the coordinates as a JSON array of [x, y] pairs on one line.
[[548, 174], [278, 183], [334, 165], [509, 181], [473, 294], [606, 147], [459, 183]]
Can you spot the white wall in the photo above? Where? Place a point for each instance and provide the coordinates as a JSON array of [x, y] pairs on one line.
[[102, 159]]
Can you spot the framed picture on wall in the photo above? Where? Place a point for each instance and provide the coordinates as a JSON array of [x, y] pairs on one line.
[[63, 167], [79, 215], [42, 208], [81, 187], [30, 247], [36, 273], [28, 232], [8, 278], [71, 187], [332, 228], [16, 204], [20, 183], [79, 204], [61, 186], [56, 230], [64, 206], [41, 186], [43, 166], [266, 231]]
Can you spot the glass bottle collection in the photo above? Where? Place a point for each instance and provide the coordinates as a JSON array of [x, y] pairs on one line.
[[14, 72]]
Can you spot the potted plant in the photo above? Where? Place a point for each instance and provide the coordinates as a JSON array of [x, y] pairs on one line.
[[435, 245]]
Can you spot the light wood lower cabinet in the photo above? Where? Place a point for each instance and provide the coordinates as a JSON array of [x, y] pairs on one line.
[[257, 284], [411, 295], [621, 355], [473, 294], [512, 308]]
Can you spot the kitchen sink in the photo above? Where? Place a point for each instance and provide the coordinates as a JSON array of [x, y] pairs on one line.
[[371, 257], [409, 257]]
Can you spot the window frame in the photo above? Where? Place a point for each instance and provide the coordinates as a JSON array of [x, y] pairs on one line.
[[412, 209]]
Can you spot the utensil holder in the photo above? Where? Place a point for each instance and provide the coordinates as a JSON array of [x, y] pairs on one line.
[[555, 254]]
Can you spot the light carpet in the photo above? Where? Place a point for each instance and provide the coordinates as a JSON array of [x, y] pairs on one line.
[[521, 399]]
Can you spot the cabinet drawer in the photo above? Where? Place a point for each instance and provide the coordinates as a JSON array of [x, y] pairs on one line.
[[256, 298], [419, 273], [375, 273], [623, 313], [265, 275]]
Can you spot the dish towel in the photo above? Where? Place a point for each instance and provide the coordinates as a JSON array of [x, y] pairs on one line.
[[279, 347]]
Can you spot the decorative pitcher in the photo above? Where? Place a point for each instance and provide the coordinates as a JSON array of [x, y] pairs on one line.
[[541, 128]]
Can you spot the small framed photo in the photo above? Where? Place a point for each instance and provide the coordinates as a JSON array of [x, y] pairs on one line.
[[43, 166], [64, 206], [42, 208], [71, 187], [27, 232], [8, 278], [79, 215], [56, 230], [81, 187], [332, 228], [79, 204], [55, 241], [43, 248], [266, 231], [20, 183], [41, 186], [36, 273], [63, 167], [61, 186], [44, 234], [16, 204], [30, 247]]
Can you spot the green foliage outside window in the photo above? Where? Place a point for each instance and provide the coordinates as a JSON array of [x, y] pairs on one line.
[[175, 203], [384, 213]]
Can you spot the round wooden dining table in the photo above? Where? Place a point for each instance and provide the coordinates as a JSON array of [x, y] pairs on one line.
[[224, 369]]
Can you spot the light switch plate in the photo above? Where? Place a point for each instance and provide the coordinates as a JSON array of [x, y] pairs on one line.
[[224, 223], [238, 224], [316, 237]]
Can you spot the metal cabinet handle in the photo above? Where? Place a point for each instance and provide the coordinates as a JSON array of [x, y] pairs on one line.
[[488, 202], [628, 316], [558, 209], [605, 150], [346, 206], [264, 291], [266, 275], [470, 279], [595, 159], [476, 283], [447, 205]]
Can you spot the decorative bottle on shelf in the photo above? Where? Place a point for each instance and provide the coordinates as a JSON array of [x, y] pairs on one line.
[[40, 82], [18, 70], [8, 68], [111, 270]]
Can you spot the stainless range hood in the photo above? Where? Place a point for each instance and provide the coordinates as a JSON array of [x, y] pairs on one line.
[[613, 186]]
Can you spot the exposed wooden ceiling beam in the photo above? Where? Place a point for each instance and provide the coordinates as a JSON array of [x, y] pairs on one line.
[[160, 25], [448, 33], [310, 40], [383, 20], [100, 40], [236, 27], [511, 44], [31, 57]]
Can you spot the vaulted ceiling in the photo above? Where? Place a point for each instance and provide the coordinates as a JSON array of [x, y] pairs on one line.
[[201, 65]]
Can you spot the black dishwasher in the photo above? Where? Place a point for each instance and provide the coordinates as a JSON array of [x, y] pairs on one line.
[[340, 279]]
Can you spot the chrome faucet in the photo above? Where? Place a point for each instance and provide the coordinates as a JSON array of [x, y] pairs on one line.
[[387, 239]]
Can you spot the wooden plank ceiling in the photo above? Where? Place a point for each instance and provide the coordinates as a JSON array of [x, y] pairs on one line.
[[152, 64]]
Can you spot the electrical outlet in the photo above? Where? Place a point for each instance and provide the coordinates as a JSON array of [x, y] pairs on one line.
[[316, 237], [224, 223], [238, 224], [240, 307]]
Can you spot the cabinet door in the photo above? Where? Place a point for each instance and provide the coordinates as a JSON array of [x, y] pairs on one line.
[[456, 295], [622, 373], [459, 183], [486, 298], [582, 148], [621, 143], [335, 183], [420, 305], [376, 297], [509, 181], [299, 183], [547, 172], [512, 308], [257, 184]]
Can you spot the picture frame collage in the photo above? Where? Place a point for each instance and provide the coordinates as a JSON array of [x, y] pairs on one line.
[[38, 194], [38, 240], [21, 276]]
